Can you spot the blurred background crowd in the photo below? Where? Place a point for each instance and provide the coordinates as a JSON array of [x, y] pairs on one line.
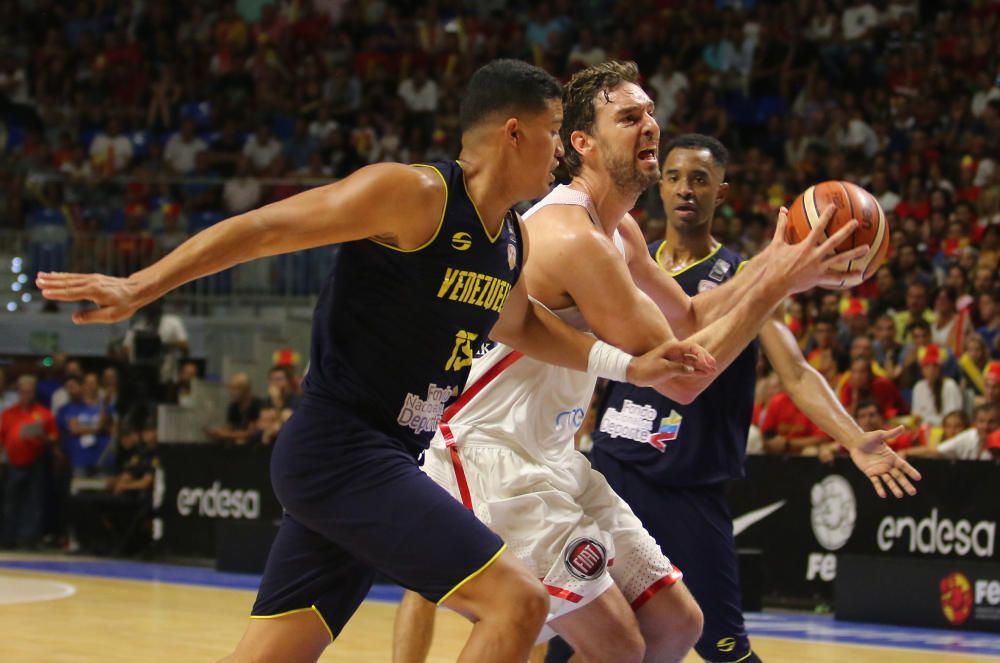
[[127, 125]]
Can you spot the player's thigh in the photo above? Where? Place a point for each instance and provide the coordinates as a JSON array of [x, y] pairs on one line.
[[604, 629], [298, 637], [504, 587]]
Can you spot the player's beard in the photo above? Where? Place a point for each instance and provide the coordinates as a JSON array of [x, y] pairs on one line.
[[623, 169]]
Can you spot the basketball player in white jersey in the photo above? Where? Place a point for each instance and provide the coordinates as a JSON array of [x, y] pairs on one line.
[[506, 447]]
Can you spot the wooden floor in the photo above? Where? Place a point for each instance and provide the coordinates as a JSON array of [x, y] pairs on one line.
[[114, 621]]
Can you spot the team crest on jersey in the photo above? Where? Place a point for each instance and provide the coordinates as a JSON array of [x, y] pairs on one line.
[[461, 241], [719, 270], [586, 559], [670, 427], [511, 255], [704, 285]]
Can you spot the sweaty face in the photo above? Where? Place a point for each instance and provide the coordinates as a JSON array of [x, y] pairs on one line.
[[691, 188], [627, 137], [539, 150]]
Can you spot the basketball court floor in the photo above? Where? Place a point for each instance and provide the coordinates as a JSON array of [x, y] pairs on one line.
[[63, 610]]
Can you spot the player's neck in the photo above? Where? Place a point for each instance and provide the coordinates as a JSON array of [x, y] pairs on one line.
[[610, 202], [487, 187], [680, 249]]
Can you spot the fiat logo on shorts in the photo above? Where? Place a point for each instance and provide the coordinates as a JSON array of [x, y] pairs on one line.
[[586, 559]]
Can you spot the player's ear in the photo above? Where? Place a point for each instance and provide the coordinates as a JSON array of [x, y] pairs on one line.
[[720, 195], [579, 141], [511, 129]]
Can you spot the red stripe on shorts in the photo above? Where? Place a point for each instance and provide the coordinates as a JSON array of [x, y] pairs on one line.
[[454, 408], [666, 581], [565, 594]]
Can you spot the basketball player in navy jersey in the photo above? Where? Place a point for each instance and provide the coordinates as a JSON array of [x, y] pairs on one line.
[[594, 268], [673, 474], [429, 270]]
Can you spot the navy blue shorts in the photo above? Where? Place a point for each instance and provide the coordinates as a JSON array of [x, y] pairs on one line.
[[356, 502], [695, 530]]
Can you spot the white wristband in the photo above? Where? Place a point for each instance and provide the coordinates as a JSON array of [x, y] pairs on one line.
[[607, 361]]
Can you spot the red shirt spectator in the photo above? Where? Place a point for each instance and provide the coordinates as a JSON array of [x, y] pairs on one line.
[[23, 431], [862, 384], [783, 419]]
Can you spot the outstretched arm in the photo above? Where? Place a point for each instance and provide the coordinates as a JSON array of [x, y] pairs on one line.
[[529, 327], [397, 204], [813, 395]]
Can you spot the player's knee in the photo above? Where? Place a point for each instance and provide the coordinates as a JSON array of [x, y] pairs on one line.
[[530, 603], [691, 622]]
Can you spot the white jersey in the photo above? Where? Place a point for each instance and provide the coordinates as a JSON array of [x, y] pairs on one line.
[[505, 450], [536, 407]]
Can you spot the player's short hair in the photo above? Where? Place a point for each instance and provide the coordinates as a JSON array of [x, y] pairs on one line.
[[720, 155], [506, 87], [580, 101]]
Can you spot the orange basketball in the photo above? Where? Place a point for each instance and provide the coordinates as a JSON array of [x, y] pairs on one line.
[[852, 202]]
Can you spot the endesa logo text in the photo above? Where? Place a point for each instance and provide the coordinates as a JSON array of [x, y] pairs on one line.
[[219, 502], [940, 536]]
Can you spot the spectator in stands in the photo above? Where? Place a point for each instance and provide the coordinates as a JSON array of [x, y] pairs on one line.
[[916, 309], [282, 389], [967, 445], [111, 150], [180, 390], [26, 430], [989, 319], [158, 338], [786, 429], [267, 427], [864, 385], [242, 192], [262, 148], [182, 149], [61, 395], [972, 365], [934, 395], [953, 424], [241, 415], [888, 351], [133, 247]]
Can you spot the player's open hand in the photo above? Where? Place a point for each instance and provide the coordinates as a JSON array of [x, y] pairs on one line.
[[882, 465], [116, 298], [813, 261], [668, 360]]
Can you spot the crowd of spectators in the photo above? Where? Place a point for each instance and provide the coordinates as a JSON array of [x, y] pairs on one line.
[[78, 446], [131, 124]]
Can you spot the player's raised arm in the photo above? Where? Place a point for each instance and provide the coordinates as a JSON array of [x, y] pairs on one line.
[[400, 205], [529, 327]]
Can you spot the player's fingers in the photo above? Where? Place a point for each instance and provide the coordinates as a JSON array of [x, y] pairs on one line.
[[907, 469], [903, 482], [890, 481], [819, 228], [782, 225], [889, 434], [844, 257], [836, 239], [96, 315], [879, 490]]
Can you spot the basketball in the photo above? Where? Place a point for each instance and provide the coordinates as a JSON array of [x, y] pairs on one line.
[[852, 202]]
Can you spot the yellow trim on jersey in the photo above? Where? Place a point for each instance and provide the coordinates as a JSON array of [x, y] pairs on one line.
[[742, 265], [473, 574], [659, 261], [493, 239], [311, 608], [437, 230]]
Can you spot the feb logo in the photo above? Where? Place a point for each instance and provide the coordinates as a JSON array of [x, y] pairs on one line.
[[586, 559], [956, 598], [670, 427]]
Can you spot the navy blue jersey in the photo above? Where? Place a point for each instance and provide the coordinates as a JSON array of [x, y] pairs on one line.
[[685, 445], [394, 331]]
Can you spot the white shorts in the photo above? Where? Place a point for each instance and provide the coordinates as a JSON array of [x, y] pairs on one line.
[[564, 522]]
